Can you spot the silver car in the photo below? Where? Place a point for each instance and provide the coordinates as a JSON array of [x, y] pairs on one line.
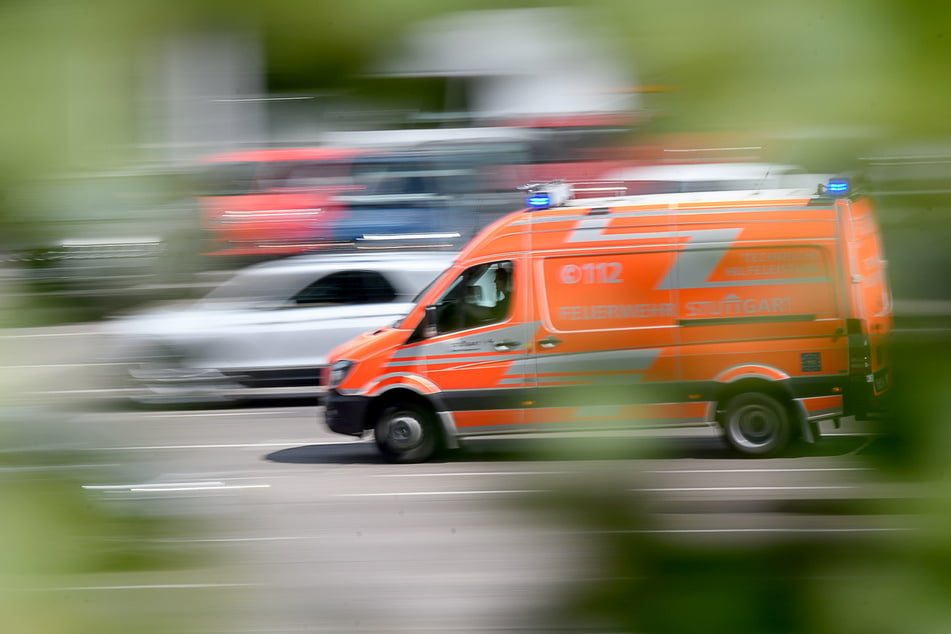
[[267, 330]]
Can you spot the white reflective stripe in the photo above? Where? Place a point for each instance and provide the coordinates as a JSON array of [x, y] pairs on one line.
[[592, 230], [625, 360], [375, 389], [695, 261], [474, 343], [448, 359], [693, 268]]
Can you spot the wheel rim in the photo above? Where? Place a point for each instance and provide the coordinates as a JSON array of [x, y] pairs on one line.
[[403, 432], [755, 426]]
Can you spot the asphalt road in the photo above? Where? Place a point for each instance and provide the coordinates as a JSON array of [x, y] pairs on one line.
[[285, 527]]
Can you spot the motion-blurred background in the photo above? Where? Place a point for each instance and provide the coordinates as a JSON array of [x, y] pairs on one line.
[[152, 147], [147, 143]]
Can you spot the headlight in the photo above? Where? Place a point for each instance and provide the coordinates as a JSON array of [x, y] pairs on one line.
[[339, 371]]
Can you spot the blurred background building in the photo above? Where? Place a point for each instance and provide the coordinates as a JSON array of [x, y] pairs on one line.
[[208, 92]]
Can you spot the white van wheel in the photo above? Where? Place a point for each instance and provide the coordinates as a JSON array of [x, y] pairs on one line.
[[405, 433], [756, 424]]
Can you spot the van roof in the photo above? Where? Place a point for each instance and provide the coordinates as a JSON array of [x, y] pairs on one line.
[[501, 236], [791, 195], [693, 177]]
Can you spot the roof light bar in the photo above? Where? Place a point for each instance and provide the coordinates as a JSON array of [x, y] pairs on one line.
[[546, 195]]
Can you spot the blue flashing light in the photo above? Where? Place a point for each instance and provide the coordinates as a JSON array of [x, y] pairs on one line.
[[539, 200], [553, 194], [838, 187]]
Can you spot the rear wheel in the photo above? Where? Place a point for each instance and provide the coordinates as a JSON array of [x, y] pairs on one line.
[[406, 432], [756, 424]]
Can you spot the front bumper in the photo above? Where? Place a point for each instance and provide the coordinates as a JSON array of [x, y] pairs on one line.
[[345, 414]]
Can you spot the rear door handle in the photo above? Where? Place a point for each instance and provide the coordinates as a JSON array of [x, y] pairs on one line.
[[549, 342], [506, 345]]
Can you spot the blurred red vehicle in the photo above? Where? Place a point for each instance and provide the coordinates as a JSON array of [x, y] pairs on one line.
[[275, 201]]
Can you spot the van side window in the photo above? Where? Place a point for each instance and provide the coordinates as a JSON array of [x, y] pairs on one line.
[[481, 295]]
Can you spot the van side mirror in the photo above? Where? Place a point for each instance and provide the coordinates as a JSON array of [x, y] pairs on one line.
[[429, 322]]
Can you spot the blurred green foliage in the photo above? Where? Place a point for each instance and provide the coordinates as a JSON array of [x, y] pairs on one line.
[[831, 80], [64, 546], [647, 581]]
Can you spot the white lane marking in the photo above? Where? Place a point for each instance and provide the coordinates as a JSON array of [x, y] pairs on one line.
[[270, 476], [228, 540], [100, 416], [46, 366], [61, 467], [164, 487], [650, 490], [250, 445], [42, 392], [856, 529], [464, 473], [431, 493], [254, 412], [737, 489], [755, 470], [205, 414], [157, 586], [107, 487], [556, 532], [228, 487], [74, 333], [655, 471]]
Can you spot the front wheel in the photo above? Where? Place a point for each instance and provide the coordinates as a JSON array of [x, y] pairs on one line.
[[756, 424], [406, 432]]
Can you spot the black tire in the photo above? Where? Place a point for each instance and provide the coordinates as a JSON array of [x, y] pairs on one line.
[[757, 425], [406, 432]]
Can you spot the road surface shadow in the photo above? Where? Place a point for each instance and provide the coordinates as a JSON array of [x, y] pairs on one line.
[[357, 452], [701, 447], [545, 449]]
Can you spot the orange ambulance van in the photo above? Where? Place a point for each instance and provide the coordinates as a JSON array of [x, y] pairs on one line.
[[761, 312]]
